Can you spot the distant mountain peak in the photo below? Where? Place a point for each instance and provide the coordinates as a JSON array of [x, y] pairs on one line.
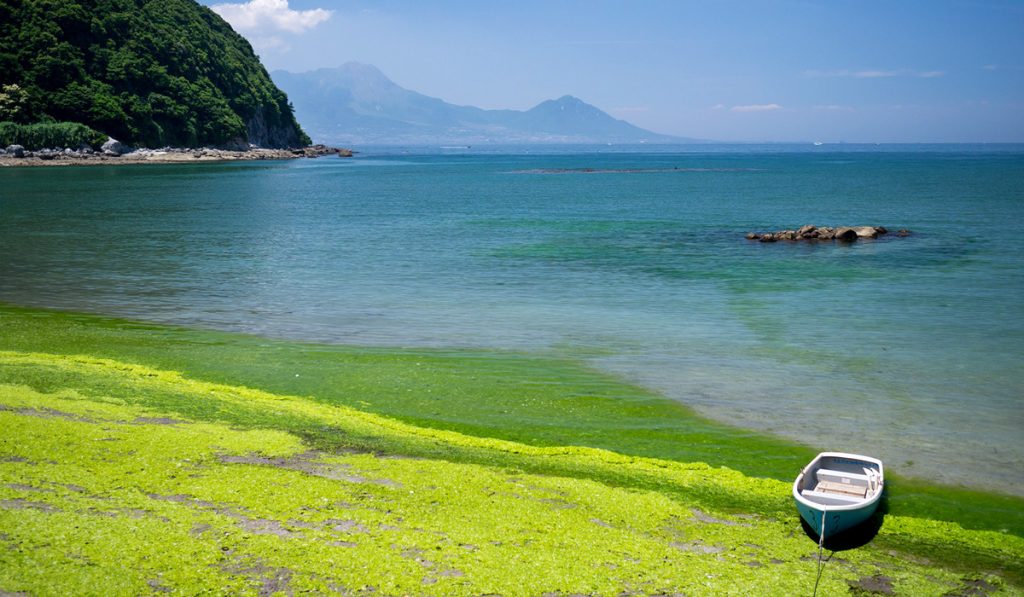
[[348, 73], [356, 65], [356, 103], [361, 68], [566, 101], [569, 104]]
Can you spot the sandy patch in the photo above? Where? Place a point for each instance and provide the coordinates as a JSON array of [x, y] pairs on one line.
[[21, 487], [272, 580], [46, 413], [697, 547], [20, 504], [158, 421], [308, 462], [872, 585], [708, 519]]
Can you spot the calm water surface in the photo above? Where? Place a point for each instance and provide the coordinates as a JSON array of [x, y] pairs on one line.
[[910, 349]]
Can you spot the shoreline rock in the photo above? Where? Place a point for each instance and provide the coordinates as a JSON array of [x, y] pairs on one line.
[[16, 151], [814, 233], [113, 147], [114, 152]]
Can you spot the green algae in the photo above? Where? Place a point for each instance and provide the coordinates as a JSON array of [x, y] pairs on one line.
[[105, 487], [537, 400], [540, 400]]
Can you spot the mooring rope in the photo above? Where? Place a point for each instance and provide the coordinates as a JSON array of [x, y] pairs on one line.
[[821, 541]]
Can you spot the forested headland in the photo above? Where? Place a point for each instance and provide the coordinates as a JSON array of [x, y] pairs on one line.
[[151, 73]]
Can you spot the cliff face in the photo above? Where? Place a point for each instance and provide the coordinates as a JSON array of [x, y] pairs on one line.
[[267, 130], [148, 72]]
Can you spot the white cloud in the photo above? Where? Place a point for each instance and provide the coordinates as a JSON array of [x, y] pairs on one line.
[[995, 67], [875, 74], [834, 108], [931, 74], [718, 107], [269, 42], [263, 17], [756, 108]]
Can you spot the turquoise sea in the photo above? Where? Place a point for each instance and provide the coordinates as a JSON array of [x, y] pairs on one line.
[[632, 259]]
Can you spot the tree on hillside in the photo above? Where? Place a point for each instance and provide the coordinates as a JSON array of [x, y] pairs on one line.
[[12, 101]]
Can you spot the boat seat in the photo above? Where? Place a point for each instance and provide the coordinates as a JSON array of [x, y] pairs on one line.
[[841, 488], [830, 499], [828, 475]]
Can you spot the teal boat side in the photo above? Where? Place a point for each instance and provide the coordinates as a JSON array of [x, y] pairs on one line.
[[836, 521]]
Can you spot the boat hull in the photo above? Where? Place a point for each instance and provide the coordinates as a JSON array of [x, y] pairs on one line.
[[836, 521]]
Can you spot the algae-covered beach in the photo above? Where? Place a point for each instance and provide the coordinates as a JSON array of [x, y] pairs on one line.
[[140, 458]]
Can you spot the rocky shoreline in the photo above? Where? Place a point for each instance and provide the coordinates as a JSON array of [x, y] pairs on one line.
[[115, 153], [824, 233]]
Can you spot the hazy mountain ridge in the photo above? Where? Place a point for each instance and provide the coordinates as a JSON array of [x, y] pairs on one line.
[[357, 104]]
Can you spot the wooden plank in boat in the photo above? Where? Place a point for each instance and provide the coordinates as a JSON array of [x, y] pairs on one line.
[[841, 488]]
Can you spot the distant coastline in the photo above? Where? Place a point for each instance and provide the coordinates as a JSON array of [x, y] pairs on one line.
[[167, 155]]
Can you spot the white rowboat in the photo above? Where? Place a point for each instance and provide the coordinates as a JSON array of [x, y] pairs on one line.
[[838, 491]]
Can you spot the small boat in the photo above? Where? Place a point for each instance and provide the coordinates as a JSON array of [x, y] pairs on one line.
[[838, 491]]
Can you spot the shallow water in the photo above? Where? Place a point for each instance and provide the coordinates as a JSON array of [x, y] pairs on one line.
[[908, 349]]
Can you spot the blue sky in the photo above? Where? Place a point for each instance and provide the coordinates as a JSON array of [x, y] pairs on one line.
[[856, 71]]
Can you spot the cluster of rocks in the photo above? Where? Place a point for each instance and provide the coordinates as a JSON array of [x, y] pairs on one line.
[[114, 150], [815, 233], [111, 148], [315, 151]]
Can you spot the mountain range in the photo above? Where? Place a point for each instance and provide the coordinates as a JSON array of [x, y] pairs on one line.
[[357, 104]]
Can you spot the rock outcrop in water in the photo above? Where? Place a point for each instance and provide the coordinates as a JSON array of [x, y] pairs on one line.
[[823, 233]]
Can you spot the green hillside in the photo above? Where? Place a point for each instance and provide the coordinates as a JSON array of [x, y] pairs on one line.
[[146, 72]]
